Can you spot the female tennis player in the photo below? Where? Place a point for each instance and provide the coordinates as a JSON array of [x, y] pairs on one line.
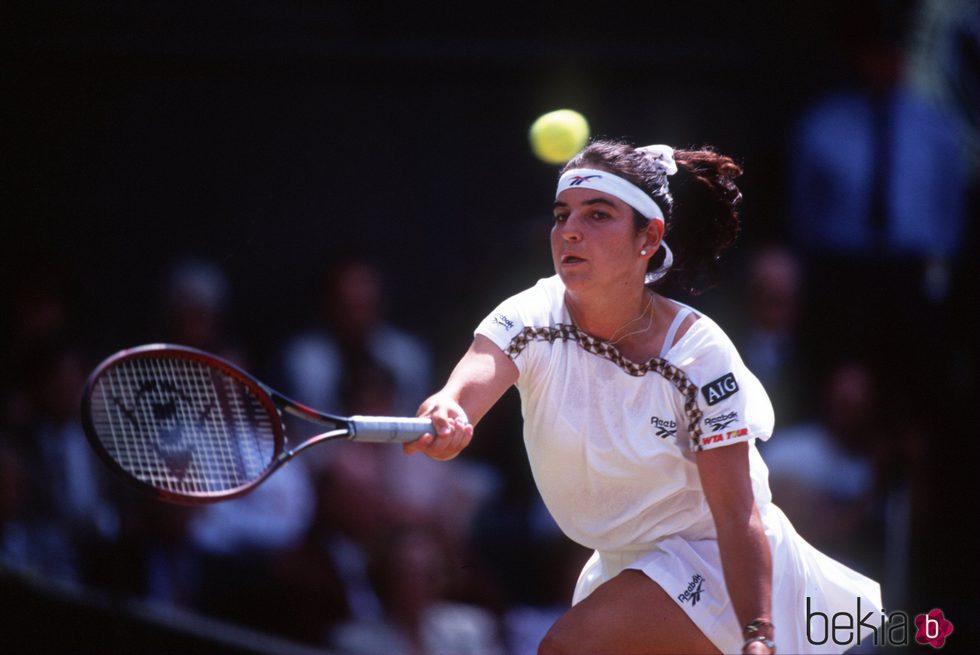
[[640, 422]]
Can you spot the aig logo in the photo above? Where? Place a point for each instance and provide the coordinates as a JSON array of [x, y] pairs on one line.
[[717, 390]]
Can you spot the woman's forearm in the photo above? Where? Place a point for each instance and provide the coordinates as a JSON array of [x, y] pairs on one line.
[[747, 562], [745, 554]]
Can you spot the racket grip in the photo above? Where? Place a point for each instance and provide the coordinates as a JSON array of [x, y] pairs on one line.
[[389, 429]]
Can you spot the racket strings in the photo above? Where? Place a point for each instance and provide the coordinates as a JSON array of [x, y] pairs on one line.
[[182, 426]]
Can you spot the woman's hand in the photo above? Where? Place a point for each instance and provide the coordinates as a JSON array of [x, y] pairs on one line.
[[453, 431]]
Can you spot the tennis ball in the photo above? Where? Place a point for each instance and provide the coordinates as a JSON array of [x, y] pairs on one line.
[[558, 135]]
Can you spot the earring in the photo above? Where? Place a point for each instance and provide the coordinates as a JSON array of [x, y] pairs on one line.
[[643, 253]]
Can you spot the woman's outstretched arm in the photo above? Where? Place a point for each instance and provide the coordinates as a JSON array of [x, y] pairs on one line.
[[477, 382]]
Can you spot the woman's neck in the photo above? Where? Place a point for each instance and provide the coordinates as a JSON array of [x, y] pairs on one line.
[[611, 316]]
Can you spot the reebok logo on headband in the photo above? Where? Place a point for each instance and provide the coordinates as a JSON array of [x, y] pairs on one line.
[[579, 179], [605, 182]]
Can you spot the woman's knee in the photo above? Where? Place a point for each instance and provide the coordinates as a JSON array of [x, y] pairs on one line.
[[570, 635], [556, 642]]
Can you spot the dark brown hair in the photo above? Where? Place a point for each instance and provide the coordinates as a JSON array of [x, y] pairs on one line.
[[699, 203]]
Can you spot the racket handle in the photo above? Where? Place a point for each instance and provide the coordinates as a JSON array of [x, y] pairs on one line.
[[388, 429]]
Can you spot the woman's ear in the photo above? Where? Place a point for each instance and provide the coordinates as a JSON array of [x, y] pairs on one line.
[[653, 235]]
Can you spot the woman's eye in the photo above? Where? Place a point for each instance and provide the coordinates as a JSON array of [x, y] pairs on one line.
[[561, 218], [600, 216]]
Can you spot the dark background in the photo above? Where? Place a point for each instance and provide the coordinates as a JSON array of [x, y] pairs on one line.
[[272, 136]]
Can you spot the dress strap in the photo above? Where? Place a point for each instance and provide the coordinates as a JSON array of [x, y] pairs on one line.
[[672, 330]]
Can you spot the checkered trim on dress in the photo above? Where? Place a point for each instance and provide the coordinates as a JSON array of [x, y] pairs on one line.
[[674, 375]]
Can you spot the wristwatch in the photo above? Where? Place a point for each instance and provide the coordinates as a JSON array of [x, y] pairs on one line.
[[768, 643]]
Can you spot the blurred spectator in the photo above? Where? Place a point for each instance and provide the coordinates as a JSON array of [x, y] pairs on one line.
[[448, 493], [274, 515], [878, 205], [551, 570], [235, 541], [306, 587], [766, 332], [31, 543], [194, 301], [70, 468], [412, 572], [193, 309], [532, 566], [35, 318], [277, 513], [353, 510], [945, 62], [68, 499], [11, 484], [324, 579], [26, 544], [240, 540], [153, 558], [823, 474], [879, 170], [352, 304], [363, 489]]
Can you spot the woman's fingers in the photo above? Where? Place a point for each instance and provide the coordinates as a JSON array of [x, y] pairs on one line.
[[419, 444], [452, 431], [452, 436]]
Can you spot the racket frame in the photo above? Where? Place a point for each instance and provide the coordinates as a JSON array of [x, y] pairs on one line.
[[271, 400]]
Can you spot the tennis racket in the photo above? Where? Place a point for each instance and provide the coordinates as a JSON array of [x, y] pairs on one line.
[[193, 428]]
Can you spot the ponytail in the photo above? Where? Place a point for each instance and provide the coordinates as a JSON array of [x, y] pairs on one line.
[[704, 216]]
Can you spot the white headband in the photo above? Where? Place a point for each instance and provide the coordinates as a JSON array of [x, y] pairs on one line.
[[632, 195], [591, 178]]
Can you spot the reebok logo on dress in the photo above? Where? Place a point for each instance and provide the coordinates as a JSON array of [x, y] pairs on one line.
[[503, 321], [721, 421], [717, 390], [693, 591], [665, 428]]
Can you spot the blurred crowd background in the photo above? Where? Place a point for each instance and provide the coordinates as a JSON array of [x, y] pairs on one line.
[[333, 195]]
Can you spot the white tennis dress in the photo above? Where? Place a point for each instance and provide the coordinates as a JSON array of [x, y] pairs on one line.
[[612, 448]]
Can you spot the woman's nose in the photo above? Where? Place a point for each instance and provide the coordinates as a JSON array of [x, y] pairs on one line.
[[570, 229]]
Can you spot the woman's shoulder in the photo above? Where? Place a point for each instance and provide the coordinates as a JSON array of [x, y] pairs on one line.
[[704, 334], [548, 291], [538, 304], [704, 349]]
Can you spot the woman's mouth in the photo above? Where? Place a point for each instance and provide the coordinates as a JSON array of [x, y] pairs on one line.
[[571, 259]]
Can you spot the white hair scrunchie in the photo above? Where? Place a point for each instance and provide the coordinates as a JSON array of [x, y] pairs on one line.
[[664, 157]]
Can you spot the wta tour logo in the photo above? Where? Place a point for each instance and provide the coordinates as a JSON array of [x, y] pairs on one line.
[[892, 629]]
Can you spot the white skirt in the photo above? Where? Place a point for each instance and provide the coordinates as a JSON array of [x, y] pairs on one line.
[[808, 589]]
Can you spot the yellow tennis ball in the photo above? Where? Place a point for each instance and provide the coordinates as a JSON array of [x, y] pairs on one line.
[[558, 135]]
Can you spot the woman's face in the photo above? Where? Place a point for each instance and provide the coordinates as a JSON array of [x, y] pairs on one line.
[[594, 243]]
